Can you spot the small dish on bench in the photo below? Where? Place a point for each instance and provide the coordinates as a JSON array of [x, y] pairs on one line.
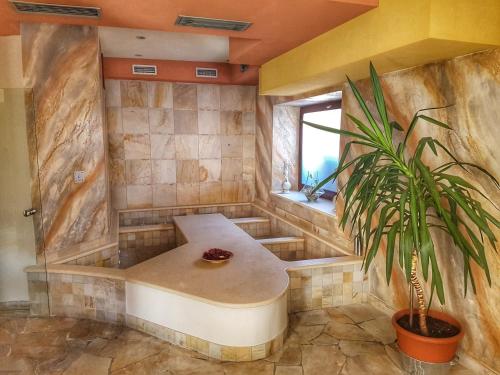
[[216, 255]]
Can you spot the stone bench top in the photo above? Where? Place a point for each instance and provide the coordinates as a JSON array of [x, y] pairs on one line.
[[253, 277]]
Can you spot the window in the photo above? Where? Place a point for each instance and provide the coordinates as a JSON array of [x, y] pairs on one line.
[[319, 149]]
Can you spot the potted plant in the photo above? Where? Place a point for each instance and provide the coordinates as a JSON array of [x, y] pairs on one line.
[[392, 195]]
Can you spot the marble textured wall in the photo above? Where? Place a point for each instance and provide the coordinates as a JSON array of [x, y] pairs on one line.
[[180, 144], [286, 121], [61, 64], [472, 84]]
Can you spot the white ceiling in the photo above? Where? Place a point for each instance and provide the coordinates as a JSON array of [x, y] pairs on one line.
[[161, 45]]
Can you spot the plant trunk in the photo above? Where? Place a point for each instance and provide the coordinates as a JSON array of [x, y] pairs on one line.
[[422, 312]]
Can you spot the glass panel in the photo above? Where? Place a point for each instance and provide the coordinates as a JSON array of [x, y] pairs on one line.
[[17, 232], [320, 149]]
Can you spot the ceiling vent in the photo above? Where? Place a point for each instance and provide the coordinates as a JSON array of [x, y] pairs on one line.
[[145, 70], [56, 9], [212, 23], [206, 72]]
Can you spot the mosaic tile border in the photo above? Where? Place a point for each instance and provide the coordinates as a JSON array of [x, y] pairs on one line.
[[211, 350]]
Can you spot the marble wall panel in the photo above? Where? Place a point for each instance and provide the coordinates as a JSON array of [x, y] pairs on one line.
[[61, 64], [472, 84], [167, 146]]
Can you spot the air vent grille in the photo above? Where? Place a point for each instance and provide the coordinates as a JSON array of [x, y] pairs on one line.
[[147, 70], [212, 23], [206, 72], [56, 9]]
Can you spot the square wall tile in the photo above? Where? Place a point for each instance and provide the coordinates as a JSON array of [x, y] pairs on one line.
[[188, 171], [186, 147], [208, 122], [164, 195], [112, 93], [118, 197], [210, 170], [248, 169], [248, 120], [117, 172], [162, 146], [139, 196], [231, 146], [230, 191], [188, 193], [185, 96], [208, 97], [160, 95], [115, 146], [161, 121], [185, 122], [135, 120], [210, 192], [133, 94], [231, 122], [164, 171], [232, 169], [138, 172], [114, 120], [249, 146], [209, 147], [136, 146]]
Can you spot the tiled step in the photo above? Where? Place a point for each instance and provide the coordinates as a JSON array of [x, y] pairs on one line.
[[280, 240], [145, 228], [285, 248], [254, 226]]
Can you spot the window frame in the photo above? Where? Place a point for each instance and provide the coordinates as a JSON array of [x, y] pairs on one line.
[[318, 107]]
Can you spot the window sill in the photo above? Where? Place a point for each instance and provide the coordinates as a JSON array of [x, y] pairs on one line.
[[323, 206]]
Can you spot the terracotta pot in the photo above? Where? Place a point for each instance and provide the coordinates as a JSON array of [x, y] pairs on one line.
[[427, 349]]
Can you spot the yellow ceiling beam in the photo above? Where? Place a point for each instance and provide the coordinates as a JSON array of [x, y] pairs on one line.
[[397, 34]]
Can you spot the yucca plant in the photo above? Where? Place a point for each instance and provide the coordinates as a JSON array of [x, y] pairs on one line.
[[391, 193]]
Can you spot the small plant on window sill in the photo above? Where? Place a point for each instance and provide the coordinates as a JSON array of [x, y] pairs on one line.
[[310, 191]]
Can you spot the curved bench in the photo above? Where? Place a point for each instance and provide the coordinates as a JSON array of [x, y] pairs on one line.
[[234, 310]]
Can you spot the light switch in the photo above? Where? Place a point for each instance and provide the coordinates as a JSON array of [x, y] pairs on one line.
[[79, 177]]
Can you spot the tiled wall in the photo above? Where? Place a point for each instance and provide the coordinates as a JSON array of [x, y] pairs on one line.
[[142, 245], [288, 250], [180, 144], [78, 296], [105, 258], [321, 287]]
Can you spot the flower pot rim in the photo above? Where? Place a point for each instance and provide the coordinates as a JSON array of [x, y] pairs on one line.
[[435, 314]]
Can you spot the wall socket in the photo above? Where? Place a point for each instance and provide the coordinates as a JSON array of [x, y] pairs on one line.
[[79, 177]]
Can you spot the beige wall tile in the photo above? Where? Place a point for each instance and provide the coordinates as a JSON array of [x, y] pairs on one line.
[[248, 94], [112, 93], [248, 169], [230, 98], [162, 146], [210, 192], [231, 122], [160, 95], [135, 120], [139, 196], [208, 96], [208, 122], [185, 96], [185, 122], [188, 171], [232, 169], [161, 121], [209, 147], [117, 172], [249, 146], [231, 146], [186, 147], [136, 146], [115, 146], [138, 172], [188, 193], [134, 94], [164, 171], [230, 191], [248, 120], [164, 195], [118, 197], [114, 120], [210, 170]]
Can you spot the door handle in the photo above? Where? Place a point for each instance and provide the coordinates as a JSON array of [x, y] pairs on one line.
[[29, 212]]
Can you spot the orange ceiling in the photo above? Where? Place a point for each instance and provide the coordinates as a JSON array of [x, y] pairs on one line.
[[278, 25]]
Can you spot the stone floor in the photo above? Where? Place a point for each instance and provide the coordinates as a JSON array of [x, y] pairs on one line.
[[355, 339]]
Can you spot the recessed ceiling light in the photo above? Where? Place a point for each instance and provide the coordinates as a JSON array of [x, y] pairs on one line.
[[141, 37], [138, 55]]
